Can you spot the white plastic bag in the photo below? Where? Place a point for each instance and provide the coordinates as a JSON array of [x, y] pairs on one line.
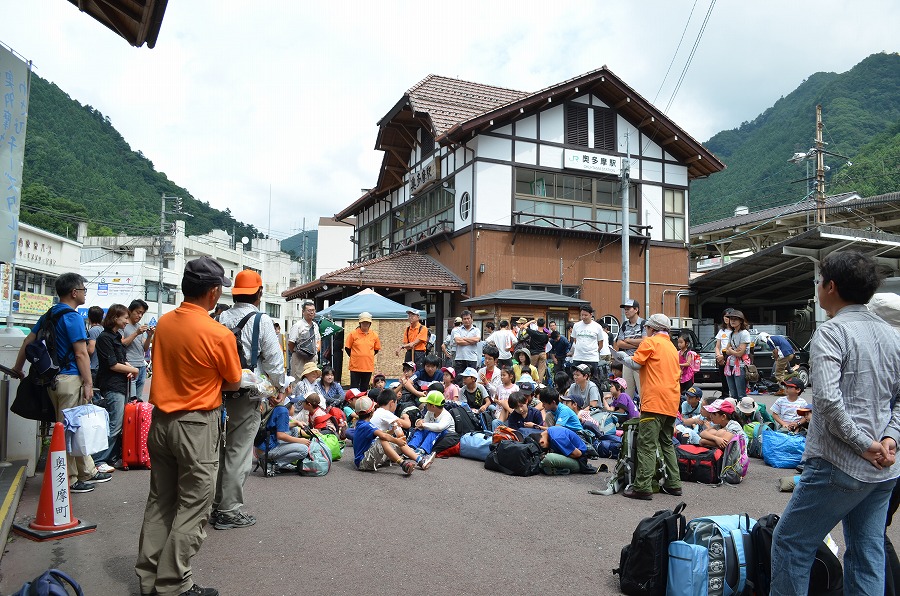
[[87, 429]]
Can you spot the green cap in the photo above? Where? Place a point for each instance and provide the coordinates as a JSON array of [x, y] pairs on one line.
[[435, 398]]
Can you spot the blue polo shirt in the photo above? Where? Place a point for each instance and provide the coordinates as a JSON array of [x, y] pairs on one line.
[[784, 346], [567, 417], [563, 440], [363, 437], [280, 422]]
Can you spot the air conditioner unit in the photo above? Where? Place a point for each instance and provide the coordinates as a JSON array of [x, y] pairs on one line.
[[683, 322]]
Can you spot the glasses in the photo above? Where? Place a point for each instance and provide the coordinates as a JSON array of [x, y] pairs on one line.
[[81, 290]]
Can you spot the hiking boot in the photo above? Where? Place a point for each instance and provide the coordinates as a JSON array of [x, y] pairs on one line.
[[100, 477], [198, 590], [81, 487], [671, 490], [634, 494], [426, 461], [408, 466], [228, 521]]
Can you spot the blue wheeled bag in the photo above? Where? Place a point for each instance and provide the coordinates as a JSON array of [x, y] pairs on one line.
[[731, 558], [52, 582], [475, 445], [688, 573]]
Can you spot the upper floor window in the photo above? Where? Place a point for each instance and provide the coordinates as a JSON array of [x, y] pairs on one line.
[[590, 126], [427, 143], [673, 214]]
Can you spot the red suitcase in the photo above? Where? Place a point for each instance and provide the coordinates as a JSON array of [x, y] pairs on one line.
[[134, 434]]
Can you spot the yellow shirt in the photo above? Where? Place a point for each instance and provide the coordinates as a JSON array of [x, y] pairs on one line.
[[660, 391], [193, 354]]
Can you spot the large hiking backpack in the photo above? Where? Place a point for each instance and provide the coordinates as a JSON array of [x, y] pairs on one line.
[[643, 564], [724, 544], [735, 462], [626, 466], [318, 462], [514, 459], [782, 450], [754, 443], [826, 576], [42, 352], [606, 421], [249, 364]]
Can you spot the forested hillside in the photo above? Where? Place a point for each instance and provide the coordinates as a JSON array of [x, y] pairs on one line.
[[79, 168], [861, 113]]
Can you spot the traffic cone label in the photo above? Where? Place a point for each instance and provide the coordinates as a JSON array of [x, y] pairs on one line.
[[54, 515]]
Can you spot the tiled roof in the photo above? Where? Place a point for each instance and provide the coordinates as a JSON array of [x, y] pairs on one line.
[[451, 101], [804, 206], [402, 269]]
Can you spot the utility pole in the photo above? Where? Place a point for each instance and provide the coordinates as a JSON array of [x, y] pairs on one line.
[[179, 204], [626, 220], [820, 169]]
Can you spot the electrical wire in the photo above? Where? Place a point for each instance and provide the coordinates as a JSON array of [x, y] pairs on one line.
[[690, 56], [675, 55]]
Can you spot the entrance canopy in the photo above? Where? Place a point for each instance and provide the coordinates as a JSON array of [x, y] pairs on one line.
[[367, 301]]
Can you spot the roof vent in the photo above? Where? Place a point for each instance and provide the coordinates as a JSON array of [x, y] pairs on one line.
[[741, 210]]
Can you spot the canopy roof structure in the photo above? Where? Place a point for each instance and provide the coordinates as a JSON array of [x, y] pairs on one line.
[[366, 301]]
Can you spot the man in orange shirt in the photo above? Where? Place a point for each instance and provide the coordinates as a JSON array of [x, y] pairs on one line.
[[415, 340], [657, 360], [195, 359], [361, 345]]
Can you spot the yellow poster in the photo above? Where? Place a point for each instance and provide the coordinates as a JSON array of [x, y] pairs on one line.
[[31, 304]]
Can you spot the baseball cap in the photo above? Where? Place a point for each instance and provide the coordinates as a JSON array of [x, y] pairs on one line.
[[246, 283], [521, 321], [622, 383], [295, 401], [584, 369], [364, 404], [694, 391], [526, 383], [630, 302], [354, 393], [206, 270], [288, 379], [412, 311], [449, 371], [469, 372], [378, 376], [435, 398], [394, 385], [794, 381], [458, 320], [720, 405], [409, 365], [576, 399]]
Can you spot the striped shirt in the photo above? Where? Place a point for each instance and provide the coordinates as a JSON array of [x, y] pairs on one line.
[[855, 376]]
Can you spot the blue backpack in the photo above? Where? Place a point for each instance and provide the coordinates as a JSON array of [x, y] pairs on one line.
[[318, 462], [50, 583], [475, 445], [716, 557]]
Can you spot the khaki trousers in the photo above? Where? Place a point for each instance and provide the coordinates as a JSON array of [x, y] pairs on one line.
[[184, 449], [235, 459], [68, 394]]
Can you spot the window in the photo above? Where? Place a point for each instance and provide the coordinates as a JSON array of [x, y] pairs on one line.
[[150, 294], [570, 291], [425, 212], [273, 310], [427, 143], [673, 215], [566, 200], [578, 127], [35, 283], [374, 238]]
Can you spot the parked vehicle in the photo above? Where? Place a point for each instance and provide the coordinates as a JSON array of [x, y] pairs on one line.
[[761, 356]]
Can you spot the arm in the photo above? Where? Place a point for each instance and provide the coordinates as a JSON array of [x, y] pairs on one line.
[[289, 438], [271, 360], [440, 425], [390, 438], [20, 357], [83, 361], [128, 339]]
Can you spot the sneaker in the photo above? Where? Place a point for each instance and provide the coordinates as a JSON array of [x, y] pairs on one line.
[[100, 477], [425, 462], [286, 468], [119, 464], [408, 466], [81, 487], [227, 521], [198, 590], [105, 469]]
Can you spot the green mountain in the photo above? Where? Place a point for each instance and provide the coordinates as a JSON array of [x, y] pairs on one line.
[[79, 168], [861, 115]]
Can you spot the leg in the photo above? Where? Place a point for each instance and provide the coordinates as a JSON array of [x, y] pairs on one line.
[[68, 395], [139, 382], [234, 457], [740, 384], [649, 431], [430, 439], [416, 440], [725, 386], [287, 453], [732, 386], [115, 406], [864, 559], [666, 430]]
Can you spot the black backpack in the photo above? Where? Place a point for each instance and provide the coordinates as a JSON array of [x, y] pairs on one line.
[[826, 578], [644, 563], [42, 354], [263, 432], [254, 352], [514, 459], [464, 421]]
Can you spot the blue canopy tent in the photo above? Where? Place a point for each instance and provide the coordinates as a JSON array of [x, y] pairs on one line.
[[366, 301]]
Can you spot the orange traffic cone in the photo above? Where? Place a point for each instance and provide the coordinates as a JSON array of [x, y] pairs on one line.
[[54, 517]]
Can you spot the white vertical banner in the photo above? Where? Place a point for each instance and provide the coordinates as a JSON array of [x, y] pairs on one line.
[[62, 514], [14, 81]]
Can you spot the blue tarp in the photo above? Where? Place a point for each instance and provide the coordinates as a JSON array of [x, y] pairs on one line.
[[366, 301]]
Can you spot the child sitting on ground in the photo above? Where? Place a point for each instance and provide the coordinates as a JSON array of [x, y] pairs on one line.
[[474, 393], [560, 441], [384, 418], [721, 415], [318, 418], [562, 414], [690, 419], [373, 448], [522, 416], [285, 446], [784, 410], [451, 389], [748, 411], [378, 381], [436, 423], [619, 401], [507, 388]]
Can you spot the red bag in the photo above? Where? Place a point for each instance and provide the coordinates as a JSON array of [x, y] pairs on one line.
[[505, 433], [699, 464], [135, 428], [449, 452]]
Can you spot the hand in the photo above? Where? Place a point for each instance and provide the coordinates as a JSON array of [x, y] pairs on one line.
[[87, 394], [400, 440], [143, 328], [877, 455], [397, 352], [303, 441], [891, 446], [621, 356], [17, 373]]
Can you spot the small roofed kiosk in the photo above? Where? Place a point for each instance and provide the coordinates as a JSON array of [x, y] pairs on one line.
[[512, 190], [511, 305]]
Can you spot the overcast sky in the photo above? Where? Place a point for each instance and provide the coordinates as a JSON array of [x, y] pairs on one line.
[[238, 96]]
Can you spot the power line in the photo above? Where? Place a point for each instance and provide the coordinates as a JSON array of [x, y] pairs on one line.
[[690, 56], [678, 47]]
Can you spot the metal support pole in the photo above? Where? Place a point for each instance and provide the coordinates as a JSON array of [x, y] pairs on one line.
[[162, 235], [4, 419], [820, 169], [626, 221]]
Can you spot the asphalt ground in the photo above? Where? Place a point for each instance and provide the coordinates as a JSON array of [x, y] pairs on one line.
[[455, 528]]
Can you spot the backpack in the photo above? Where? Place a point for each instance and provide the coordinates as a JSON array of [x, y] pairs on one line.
[[446, 446], [609, 446], [334, 444], [254, 343], [505, 433], [699, 464], [475, 445], [318, 462], [42, 353], [605, 420], [464, 421], [52, 582], [644, 562], [723, 543], [262, 434], [695, 361], [735, 462], [782, 450], [626, 466], [754, 445], [826, 576], [514, 459]]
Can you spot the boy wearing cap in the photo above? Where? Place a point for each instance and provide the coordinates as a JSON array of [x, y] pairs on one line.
[[473, 393], [784, 410], [631, 334], [563, 415], [436, 424], [285, 445], [373, 448], [362, 345], [692, 420], [242, 406]]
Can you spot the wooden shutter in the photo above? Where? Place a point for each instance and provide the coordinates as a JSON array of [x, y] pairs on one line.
[[576, 125], [604, 129]]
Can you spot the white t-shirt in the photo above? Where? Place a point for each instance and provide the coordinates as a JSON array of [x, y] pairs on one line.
[[504, 340], [722, 337], [382, 419], [787, 409], [586, 338], [604, 343]]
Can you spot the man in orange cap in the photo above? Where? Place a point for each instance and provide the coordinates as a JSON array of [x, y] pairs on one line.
[[258, 337]]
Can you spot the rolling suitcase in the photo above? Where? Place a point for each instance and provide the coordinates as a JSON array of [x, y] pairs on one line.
[[134, 434]]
